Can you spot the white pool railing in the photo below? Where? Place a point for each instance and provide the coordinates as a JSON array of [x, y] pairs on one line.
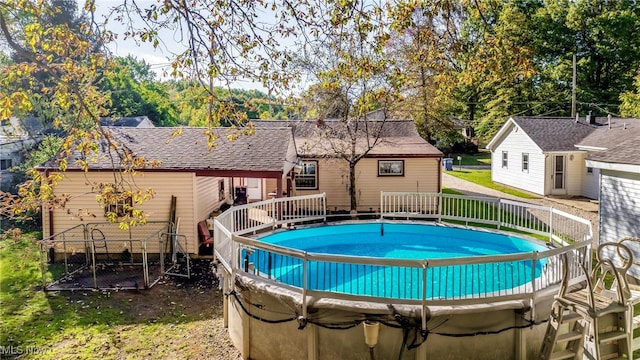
[[572, 234]]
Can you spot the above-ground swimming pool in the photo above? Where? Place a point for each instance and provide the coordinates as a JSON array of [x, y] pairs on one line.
[[397, 245], [437, 291]]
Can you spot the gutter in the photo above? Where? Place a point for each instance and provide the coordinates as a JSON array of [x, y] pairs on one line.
[[46, 174], [440, 175]]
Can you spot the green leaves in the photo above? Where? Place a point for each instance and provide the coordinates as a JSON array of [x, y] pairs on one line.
[[630, 106]]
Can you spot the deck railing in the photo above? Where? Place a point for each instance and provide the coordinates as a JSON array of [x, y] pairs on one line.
[[426, 282], [267, 214], [560, 227]]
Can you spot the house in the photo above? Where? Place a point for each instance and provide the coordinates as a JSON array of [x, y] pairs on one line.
[[200, 178], [16, 138], [400, 160], [619, 205], [465, 129], [128, 121], [546, 155], [605, 137]]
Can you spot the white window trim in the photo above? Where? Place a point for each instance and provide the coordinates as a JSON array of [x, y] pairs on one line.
[[308, 176]]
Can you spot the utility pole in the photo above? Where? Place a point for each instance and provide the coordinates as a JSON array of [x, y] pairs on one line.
[[573, 89]]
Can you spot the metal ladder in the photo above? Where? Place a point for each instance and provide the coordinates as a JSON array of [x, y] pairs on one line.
[[99, 242], [602, 312]]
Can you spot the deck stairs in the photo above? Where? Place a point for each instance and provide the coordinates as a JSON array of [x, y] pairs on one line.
[[591, 321]]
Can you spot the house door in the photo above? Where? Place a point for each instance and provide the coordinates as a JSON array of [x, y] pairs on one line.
[[558, 175], [254, 189]]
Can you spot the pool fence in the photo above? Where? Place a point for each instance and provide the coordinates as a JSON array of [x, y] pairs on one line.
[[235, 230]]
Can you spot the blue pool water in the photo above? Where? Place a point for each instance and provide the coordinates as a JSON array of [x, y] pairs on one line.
[[398, 241]]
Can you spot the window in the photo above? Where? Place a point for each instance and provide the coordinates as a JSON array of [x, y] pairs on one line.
[[589, 170], [307, 178], [525, 162], [5, 164], [390, 167], [221, 190], [122, 206], [116, 203], [505, 159]]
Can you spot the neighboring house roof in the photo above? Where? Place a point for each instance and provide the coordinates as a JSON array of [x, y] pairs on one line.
[[611, 133], [625, 152], [328, 137], [265, 150], [128, 121], [622, 157], [13, 129], [549, 133], [459, 123]]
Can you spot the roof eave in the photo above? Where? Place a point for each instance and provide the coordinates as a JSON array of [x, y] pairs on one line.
[[500, 134], [615, 166]]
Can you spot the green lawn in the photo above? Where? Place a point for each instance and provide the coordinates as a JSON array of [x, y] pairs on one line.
[[164, 322], [481, 158], [483, 177], [450, 191], [505, 215]]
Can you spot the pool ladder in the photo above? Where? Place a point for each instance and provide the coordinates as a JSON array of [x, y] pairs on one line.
[[564, 338], [571, 331], [593, 321]]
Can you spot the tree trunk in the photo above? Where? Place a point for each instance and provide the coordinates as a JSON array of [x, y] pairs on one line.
[[352, 186]]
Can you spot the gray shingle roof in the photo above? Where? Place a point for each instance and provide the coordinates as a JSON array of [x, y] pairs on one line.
[[555, 133], [265, 150], [328, 137], [625, 152], [610, 135]]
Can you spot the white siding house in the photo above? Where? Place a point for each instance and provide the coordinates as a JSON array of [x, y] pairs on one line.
[[556, 149], [538, 155], [17, 137], [619, 190], [518, 160]]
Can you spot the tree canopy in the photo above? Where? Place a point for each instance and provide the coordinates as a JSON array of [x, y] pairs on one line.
[[478, 60]]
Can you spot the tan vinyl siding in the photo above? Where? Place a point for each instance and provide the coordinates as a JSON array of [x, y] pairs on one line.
[[333, 179], [207, 195], [619, 205], [575, 173], [270, 185], [420, 174], [164, 185]]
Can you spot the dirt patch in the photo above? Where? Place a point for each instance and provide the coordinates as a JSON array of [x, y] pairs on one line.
[[176, 319]]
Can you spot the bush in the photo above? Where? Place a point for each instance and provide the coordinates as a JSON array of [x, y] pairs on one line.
[[461, 147]]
